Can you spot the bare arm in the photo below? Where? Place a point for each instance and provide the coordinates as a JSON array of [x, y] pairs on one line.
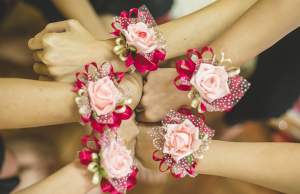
[[202, 27], [82, 11], [29, 103], [272, 165], [73, 178], [265, 23]]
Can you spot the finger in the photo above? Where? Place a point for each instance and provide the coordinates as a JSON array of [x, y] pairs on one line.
[[41, 68], [145, 74], [61, 26], [38, 55], [146, 77], [140, 106], [45, 78], [142, 117], [35, 43]]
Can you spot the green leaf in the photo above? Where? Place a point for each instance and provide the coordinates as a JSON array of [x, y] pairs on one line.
[[228, 82], [132, 48], [189, 160], [102, 171], [100, 153], [201, 135], [94, 115]]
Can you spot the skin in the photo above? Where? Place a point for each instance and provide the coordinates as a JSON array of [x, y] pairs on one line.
[[84, 12], [74, 175], [272, 165]]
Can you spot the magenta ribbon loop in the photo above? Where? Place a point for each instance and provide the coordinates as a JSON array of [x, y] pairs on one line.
[[106, 186], [186, 111], [191, 170], [84, 155], [176, 175]]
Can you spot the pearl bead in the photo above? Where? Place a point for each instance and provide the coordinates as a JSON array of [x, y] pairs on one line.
[[77, 99], [82, 111]]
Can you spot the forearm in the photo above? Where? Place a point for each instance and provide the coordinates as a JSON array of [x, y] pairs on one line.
[[265, 23], [30, 103], [82, 11], [73, 178], [272, 165], [201, 28]]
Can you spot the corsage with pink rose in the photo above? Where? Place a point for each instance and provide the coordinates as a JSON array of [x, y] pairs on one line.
[[110, 161], [212, 86], [140, 44], [102, 100], [182, 139]]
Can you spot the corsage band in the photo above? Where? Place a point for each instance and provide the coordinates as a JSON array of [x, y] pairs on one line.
[[140, 44], [110, 162], [212, 86], [182, 139], [102, 101]]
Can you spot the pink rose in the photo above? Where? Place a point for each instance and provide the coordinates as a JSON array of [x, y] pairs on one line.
[[181, 140], [141, 37], [211, 82], [116, 160], [103, 95]]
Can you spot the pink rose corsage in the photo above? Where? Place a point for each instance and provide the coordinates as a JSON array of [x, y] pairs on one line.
[[102, 101], [182, 139], [110, 162], [212, 87], [139, 41]]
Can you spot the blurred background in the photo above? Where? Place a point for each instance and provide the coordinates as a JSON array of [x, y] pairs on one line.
[[50, 148]]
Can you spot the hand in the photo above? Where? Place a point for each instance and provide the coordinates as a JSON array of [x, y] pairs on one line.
[[63, 48], [161, 95], [144, 147]]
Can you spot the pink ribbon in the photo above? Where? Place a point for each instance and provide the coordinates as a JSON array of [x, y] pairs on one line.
[[190, 170], [142, 64], [84, 155], [106, 186], [162, 160]]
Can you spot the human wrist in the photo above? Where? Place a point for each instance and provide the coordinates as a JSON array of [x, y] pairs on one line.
[[105, 48], [184, 101]]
